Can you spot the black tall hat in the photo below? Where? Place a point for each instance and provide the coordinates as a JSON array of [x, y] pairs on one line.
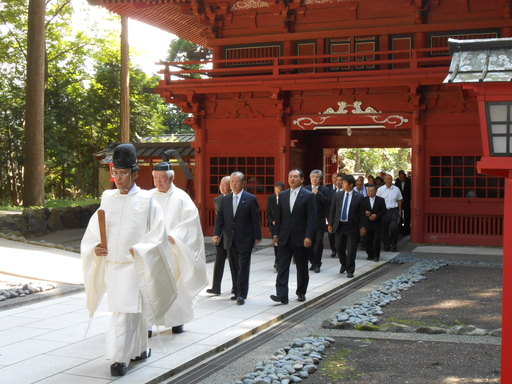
[[164, 165], [124, 157]]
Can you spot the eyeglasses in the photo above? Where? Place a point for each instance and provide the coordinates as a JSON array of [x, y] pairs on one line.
[[119, 174]]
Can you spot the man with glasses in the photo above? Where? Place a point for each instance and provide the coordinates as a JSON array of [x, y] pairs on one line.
[[124, 255]]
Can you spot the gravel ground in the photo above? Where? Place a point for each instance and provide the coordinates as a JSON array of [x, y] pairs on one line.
[[372, 361], [454, 294]]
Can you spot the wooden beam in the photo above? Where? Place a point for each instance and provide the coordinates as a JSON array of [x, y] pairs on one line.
[[125, 83]]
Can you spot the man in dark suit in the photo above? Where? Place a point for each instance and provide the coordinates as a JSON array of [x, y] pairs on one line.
[[404, 184], [344, 222], [295, 226], [373, 209], [272, 203], [220, 252], [322, 208], [331, 190], [239, 223]]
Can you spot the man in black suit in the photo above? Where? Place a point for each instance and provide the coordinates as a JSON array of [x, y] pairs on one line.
[[331, 190], [344, 222], [239, 223], [272, 203], [322, 208], [220, 252], [373, 209], [295, 226], [404, 184]]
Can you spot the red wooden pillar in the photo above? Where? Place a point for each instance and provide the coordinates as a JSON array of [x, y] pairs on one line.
[[201, 178], [506, 308], [419, 178], [285, 153]]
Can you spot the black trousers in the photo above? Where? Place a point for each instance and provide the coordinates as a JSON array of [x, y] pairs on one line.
[[286, 253], [346, 246], [276, 254], [373, 242], [332, 242], [241, 262], [390, 227], [406, 225], [218, 268], [316, 250]]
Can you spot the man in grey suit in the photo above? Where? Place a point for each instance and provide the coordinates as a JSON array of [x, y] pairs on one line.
[[295, 228], [239, 223], [344, 222]]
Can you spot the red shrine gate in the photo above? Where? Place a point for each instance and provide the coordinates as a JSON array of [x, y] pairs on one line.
[[292, 78]]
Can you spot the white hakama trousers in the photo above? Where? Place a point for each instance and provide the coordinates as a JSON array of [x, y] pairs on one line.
[[127, 337]]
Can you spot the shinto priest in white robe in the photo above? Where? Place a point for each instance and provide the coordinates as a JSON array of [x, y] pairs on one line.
[[187, 255], [140, 288]]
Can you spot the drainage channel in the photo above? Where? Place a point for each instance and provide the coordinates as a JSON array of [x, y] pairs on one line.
[[205, 370]]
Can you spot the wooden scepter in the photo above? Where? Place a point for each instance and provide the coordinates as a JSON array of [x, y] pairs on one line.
[[103, 228]]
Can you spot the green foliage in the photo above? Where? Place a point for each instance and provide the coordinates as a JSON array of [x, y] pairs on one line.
[[371, 161], [81, 100], [59, 203], [184, 50]]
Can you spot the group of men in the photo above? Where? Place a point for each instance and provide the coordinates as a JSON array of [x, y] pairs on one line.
[[145, 249]]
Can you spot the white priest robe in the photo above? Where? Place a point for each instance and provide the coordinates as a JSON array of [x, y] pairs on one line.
[[140, 288], [187, 254]]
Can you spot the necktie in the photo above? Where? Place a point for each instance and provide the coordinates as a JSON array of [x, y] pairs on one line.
[[344, 211], [235, 203]]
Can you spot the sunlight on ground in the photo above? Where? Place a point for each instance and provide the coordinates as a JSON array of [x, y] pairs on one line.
[[494, 292], [465, 380]]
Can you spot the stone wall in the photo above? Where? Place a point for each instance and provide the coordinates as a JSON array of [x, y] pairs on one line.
[[44, 220]]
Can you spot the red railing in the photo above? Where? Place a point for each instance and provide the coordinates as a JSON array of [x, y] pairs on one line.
[[415, 59]]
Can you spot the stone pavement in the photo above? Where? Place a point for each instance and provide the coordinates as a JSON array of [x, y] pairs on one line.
[[45, 342]]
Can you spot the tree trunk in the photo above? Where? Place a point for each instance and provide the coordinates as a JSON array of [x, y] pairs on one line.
[[33, 189], [125, 82]]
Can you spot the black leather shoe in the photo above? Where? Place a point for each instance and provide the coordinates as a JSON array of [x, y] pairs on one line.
[[393, 248], [177, 329], [312, 268], [279, 299], [350, 275], [240, 301], [118, 369], [317, 269], [143, 356], [150, 333], [342, 269], [369, 258], [386, 248], [212, 291], [333, 254], [301, 298], [233, 297]]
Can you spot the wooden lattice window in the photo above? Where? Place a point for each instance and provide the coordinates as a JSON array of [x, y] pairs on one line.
[[258, 171], [252, 52], [456, 176]]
